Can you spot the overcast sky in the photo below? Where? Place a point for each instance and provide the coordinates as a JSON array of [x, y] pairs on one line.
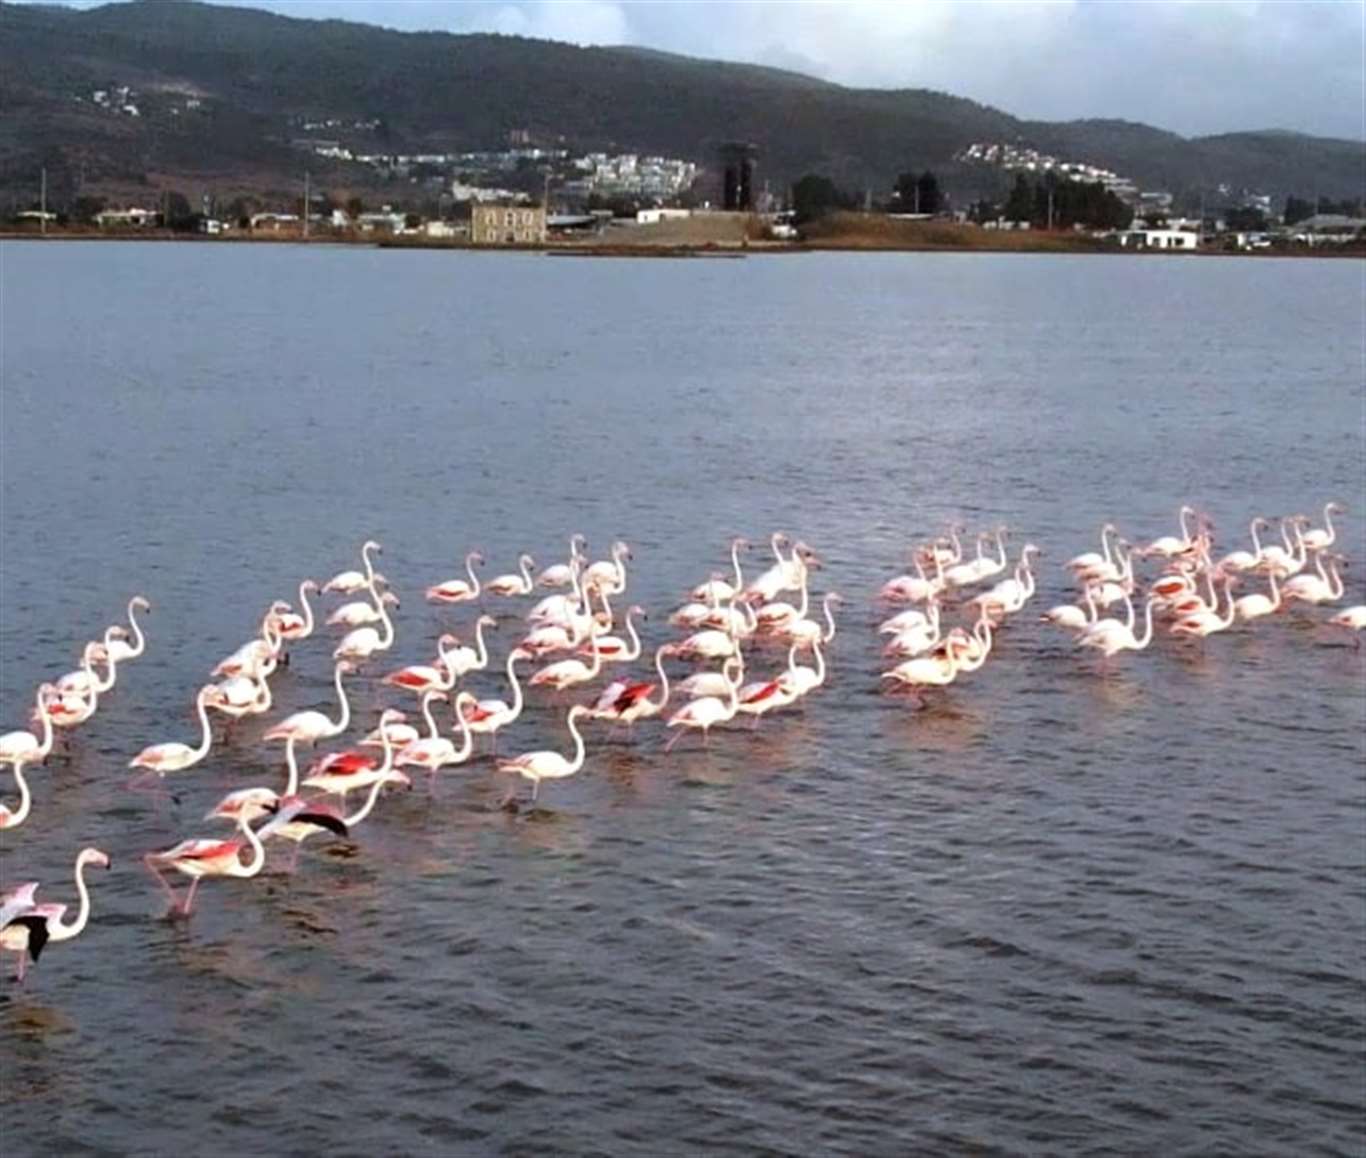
[[1195, 67]]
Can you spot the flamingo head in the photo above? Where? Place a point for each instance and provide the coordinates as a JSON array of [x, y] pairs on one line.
[[520, 653], [808, 556], [93, 856], [448, 639], [740, 542], [475, 557], [279, 607], [637, 609], [309, 585], [141, 602], [346, 667], [834, 597], [371, 545], [487, 621], [578, 710], [526, 561], [211, 694], [464, 701], [389, 599], [578, 543], [434, 695], [1336, 507]]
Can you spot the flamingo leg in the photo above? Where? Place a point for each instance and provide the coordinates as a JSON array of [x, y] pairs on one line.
[[23, 966], [163, 882], [294, 857], [672, 741], [189, 897], [535, 789]]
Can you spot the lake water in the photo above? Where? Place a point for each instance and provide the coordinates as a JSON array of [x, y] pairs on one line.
[[1054, 911]]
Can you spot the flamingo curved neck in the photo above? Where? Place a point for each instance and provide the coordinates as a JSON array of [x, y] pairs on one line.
[[206, 735], [524, 564], [369, 566], [1182, 515], [481, 650], [829, 620], [345, 719], [735, 564], [1328, 525], [59, 930], [292, 762], [467, 738], [516, 709], [1140, 644], [820, 664], [576, 763], [258, 854], [663, 678], [388, 637], [634, 652], [136, 627], [474, 579], [444, 662], [14, 819], [433, 732], [308, 608]]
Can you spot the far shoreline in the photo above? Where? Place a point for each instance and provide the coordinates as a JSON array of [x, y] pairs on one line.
[[961, 241]]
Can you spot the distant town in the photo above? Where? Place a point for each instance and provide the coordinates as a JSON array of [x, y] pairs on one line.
[[533, 194]]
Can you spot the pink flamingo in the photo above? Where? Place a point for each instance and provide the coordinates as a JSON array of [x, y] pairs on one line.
[[547, 765], [26, 927], [706, 712], [198, 859], [311, 726], [458, 590]]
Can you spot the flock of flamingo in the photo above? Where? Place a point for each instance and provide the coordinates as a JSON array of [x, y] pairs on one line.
[[728, 620]]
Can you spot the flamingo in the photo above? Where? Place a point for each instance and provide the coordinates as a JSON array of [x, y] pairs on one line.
[[1091, 560], [198, 859], [559, 609], [772, 582], [706, 712], [709, 644], [458, 590], [258, 802], [83, 679], [1289, 559], [158, 759], [487, 717], [964, 573], [349, 582], [985, 566], [1010, 595], [568, 672], [438, 752], [1070, 616], [609, 577], [1245, 560], [1320, 538], [1325, 587], [297, 819], [547, 765], [294, 627], [343, 772], [944, 551], [68, 709], [1256, 605], [120, 649], [362, 612], [710, 683], [805, 632], [400, 732], [692, 614], [915, 588], [614, 649], [362, 642], [1203, 623], [560, 575], [625, 702], [462, 660], [913, 641], [242, 696], [514, 584], [1109, 636], [764, 696], [423, 677], [25, 747], [256, 657], [308, 727], [912, 617], [27, 928], [775, 616], [1169, 546], [717, 589], [937, 670], [1351, 618], [801, 679]]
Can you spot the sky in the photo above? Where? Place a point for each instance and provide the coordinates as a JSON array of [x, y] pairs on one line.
[[1193, 66]]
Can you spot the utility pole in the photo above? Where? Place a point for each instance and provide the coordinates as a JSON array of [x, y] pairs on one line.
[[306, 204], [1050, 206], [42, 204]]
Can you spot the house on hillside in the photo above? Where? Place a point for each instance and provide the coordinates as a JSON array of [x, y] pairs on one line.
[[1159, 239], [126, 218], [507, 224]]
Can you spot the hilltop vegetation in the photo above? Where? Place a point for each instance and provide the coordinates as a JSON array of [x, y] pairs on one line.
[[256, 78]]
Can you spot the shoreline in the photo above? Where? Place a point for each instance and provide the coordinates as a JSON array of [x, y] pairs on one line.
[[988, 242]]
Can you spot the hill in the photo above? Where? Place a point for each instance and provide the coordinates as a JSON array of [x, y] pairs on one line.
[[222, 95]]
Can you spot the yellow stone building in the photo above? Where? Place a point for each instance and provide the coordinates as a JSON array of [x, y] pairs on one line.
[[507, 224]]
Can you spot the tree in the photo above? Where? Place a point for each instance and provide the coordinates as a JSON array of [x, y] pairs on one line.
[[1248, 219], [929, 199], [354, 207], [86, 208], [1297, 209], [179, 215], [1020, 205], [814, 196]]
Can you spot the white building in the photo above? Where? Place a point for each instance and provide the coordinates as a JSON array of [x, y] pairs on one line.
[[655, 216], [1159, 239]]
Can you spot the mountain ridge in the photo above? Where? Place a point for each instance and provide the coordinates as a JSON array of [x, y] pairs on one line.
[[262, 72]]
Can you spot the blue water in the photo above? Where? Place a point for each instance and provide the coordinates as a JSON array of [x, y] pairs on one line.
[[1057, 910]]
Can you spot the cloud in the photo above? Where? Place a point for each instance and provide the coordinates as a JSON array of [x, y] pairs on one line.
[[1195, 66]]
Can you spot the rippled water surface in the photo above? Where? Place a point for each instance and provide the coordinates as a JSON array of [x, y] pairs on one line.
[[1053, 911]]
